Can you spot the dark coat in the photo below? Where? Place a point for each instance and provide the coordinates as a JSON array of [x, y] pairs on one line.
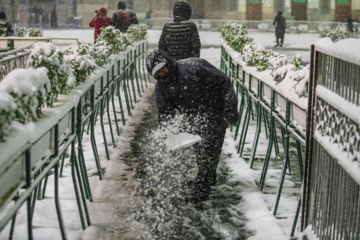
[[180, 39], [196, 89], [123, 18], [99, 22], [5, 24], [280, 23], [350, 23]]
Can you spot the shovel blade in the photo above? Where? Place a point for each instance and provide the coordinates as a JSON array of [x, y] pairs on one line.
[[181, 140]]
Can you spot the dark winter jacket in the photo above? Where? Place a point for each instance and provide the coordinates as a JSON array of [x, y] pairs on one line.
[[280, 23], [99, 22], [180, 38], [123, 18], [196, 89], [5, 28], [350, 23]]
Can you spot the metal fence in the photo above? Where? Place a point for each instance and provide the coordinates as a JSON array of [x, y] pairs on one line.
[[26, 165], [331, 205], [13, 59], [262, 25], [280, 118]]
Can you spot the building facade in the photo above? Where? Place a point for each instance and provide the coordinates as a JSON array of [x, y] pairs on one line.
[[80, 12]]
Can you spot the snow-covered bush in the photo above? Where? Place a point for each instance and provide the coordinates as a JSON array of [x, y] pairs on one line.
[[7, 114], [302, 76], [28, 88], [23, 92], [35, 32], [21, 31], [100, 54], [294, 65], [257, 55], [82, 66], [110, 36], [235, 35], [3, 32], [61, 77], [338, 33], [137, 32], [302, 28]]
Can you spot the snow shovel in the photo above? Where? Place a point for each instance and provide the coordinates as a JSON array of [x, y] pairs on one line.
[[181, 140]]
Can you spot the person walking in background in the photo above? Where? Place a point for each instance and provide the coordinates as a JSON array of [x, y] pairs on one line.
[[5, 26], [205, 97], [350, 23], [148, 20], [180, 38], [123, 18], [100, 21], [53, 18], [280, 24]]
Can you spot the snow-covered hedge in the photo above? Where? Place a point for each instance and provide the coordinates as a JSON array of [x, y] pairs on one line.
[[30, 32], [338, 33], [50, 72], [256, 55]]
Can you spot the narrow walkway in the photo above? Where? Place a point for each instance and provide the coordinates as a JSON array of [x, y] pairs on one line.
[[139, 201]]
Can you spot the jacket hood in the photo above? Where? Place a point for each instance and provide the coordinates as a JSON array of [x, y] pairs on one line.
[[122, 5], [181, 11], [159, 57]]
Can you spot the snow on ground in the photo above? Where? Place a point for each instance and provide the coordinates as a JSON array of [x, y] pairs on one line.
[[256, 205]]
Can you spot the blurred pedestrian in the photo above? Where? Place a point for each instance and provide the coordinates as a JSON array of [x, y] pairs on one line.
[[123, 18], [5, 26], [53, 18], [100, 21], [280, 24], [180, 38], [148, 20], [205, 97], [350, 23]]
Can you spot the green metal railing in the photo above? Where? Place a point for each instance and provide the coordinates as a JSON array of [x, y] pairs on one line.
[[331, 205], [273, 113], [28, 165]]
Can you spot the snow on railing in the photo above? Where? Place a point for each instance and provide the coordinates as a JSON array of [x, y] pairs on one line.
[[332, 181]]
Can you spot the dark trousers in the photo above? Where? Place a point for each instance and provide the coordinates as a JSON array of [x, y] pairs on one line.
[[279, 36], [208, 156]]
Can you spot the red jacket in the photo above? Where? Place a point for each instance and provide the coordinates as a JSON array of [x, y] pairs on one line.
[[99, 22]]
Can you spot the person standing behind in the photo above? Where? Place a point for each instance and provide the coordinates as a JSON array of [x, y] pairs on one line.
[[280, 23], [123, 18], [100, 21], [148, 20], [350, 23], [206, 98], [180, 38], [5, 26]]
